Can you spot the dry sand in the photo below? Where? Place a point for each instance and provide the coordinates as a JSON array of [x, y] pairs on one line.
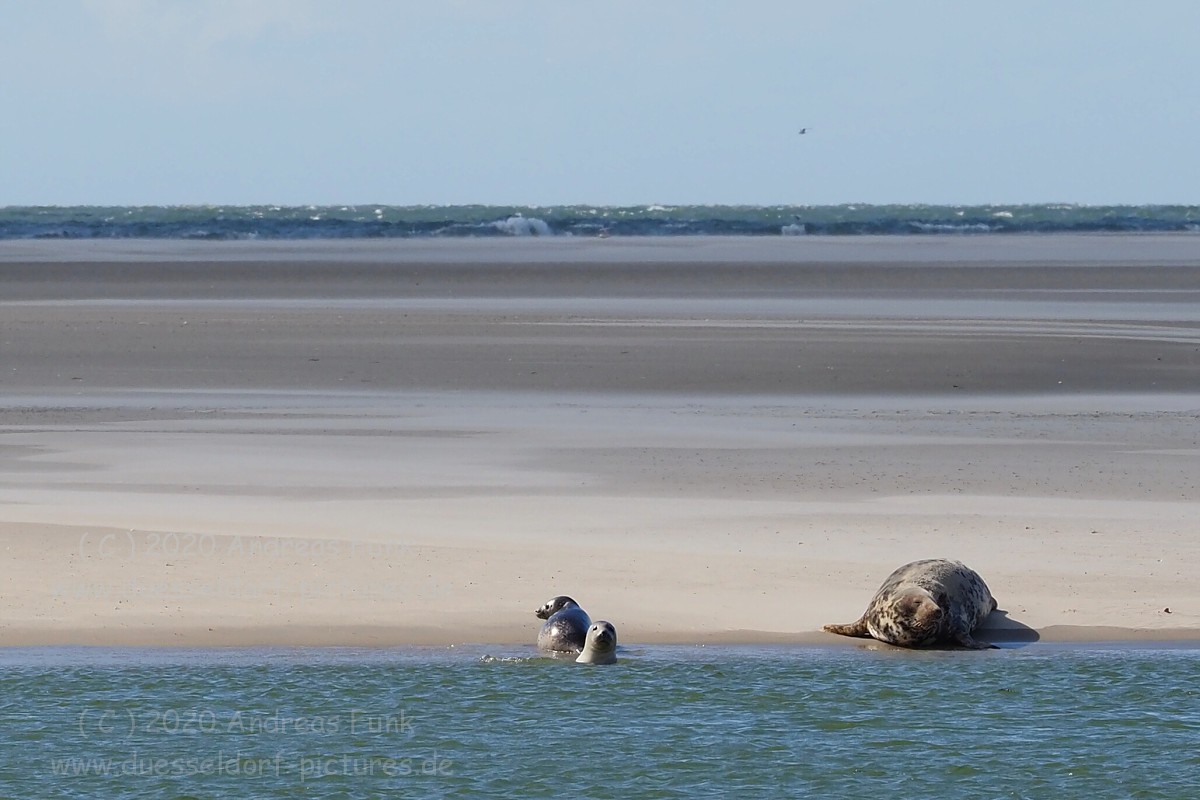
[[702, 440]]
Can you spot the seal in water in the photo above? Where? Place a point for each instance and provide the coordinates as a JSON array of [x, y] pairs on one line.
[[566, 626], [924, 603], [601, 646]]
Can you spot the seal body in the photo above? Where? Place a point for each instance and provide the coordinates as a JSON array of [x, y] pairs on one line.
[[601, 644], [566, 626], [923, 603]]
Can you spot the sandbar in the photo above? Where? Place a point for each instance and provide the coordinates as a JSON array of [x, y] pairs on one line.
[[703, 439]]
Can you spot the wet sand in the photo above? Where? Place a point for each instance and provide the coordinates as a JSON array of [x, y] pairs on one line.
[[716, 440]]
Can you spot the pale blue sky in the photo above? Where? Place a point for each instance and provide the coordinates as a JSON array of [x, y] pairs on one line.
[[617, 102]]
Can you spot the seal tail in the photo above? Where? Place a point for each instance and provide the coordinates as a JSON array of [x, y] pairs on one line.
[[858, 628]]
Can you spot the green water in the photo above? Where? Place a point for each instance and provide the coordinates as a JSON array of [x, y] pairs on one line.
[[1040, 721]]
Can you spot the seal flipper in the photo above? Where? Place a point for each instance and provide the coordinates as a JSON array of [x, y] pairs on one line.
[[858, 628], [968, 641]]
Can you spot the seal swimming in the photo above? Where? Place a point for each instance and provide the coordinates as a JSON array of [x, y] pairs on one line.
[[924, 603], [566, 626], [601, 645]]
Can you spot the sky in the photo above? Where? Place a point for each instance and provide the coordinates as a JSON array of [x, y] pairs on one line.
[[624, 102]]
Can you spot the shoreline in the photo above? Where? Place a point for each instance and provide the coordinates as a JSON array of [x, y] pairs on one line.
[[392, 638]]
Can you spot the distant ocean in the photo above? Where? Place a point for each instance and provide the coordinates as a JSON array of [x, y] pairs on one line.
[[209, 222]]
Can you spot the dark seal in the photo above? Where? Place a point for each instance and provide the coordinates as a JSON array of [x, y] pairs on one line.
[[923, 603], [566, 626]]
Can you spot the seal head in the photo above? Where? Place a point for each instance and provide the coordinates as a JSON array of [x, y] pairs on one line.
[[566, 626], [601, 645], [554, 605]]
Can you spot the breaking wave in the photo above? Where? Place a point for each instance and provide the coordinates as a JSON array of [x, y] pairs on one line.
[[518, 225]]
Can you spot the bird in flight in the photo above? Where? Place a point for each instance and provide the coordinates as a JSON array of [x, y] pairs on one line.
[[803, 131]]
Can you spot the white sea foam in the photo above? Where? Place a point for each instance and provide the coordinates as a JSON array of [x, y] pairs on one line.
[[931, 227], [523, 226]]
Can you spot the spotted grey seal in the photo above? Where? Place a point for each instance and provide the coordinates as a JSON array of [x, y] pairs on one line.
[[566, 626], [601, 645], [924, 603]]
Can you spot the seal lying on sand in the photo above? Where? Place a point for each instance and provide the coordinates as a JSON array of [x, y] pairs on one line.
[[566, 627], [601, 646], [923, 603]]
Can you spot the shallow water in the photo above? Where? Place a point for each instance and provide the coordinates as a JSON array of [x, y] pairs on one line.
[[1037, 721]]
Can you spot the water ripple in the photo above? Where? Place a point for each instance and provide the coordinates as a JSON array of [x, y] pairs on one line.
[[663, 723]]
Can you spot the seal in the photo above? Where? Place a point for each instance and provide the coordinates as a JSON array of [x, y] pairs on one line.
[[924, 603], [601, 645], [566, 626]]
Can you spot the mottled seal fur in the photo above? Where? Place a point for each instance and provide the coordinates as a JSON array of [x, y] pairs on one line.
[[601, 645], [924, 603], [566, 626]]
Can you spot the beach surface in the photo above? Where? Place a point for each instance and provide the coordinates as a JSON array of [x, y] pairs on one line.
[[700, 439]]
